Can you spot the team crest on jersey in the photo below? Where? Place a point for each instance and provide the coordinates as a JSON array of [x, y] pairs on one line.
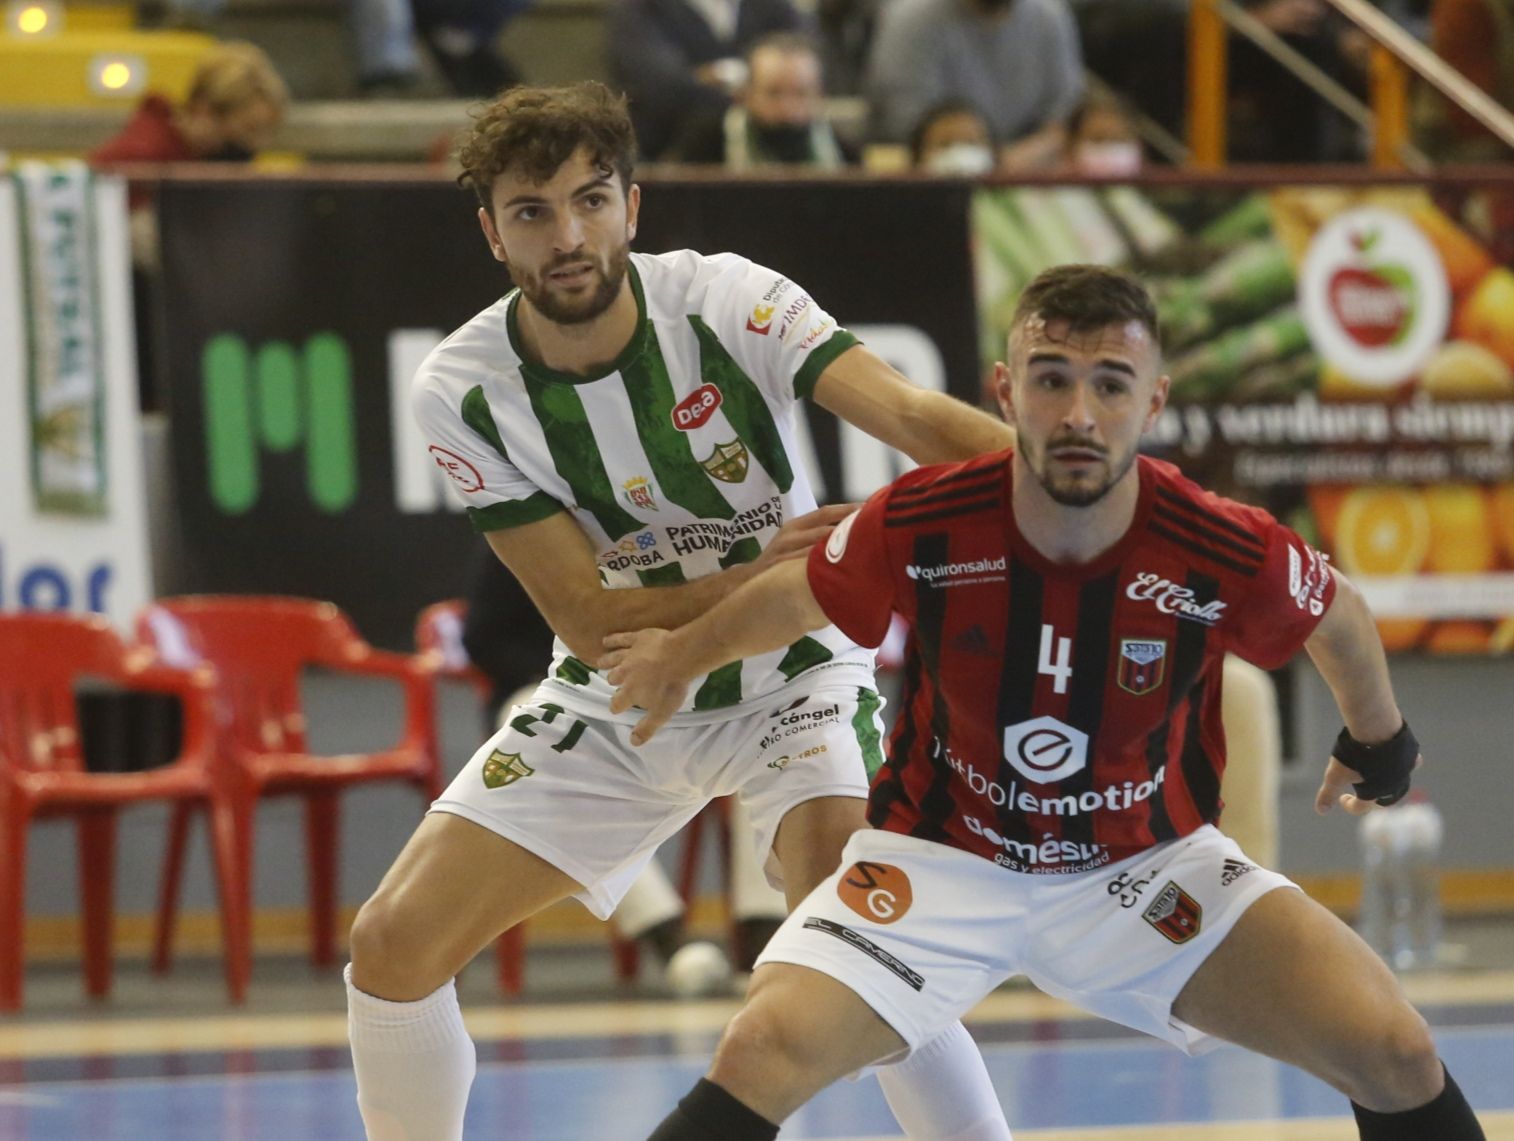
[[761, 320], [728, 462], [638, 493], [1175, 913], [1143, 664], [505, 768]]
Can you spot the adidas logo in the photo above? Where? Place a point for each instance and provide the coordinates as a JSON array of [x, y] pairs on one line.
[[973, 640], [1234, 870]]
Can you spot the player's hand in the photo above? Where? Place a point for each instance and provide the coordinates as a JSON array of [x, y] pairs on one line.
[[647, 675], [799, 534], [1336, 789]]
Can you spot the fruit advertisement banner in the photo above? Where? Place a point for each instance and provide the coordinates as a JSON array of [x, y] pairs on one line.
[[1343, 356]]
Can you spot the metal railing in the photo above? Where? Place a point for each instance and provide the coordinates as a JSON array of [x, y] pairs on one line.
[[1393, 55]]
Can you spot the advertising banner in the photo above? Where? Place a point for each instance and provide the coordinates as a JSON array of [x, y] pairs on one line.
[[1341, 355], [295, 314], [73, 528]]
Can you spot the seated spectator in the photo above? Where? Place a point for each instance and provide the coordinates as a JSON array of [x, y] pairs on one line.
[[952, 138], [778, 116], [1101, 140], [1018, 61], [236, 101], [681, 61]]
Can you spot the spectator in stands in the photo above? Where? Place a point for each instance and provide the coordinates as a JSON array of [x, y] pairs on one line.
[[235, 103], [952, 138], [1101, 139], [778, 116], [1018, 61], [681, 61]]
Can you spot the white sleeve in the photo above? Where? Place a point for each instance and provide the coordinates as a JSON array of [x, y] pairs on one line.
[[463, 440], [776, 332]]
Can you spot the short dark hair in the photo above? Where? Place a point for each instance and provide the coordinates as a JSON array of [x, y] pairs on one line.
[[1087, 297], [534, 130]]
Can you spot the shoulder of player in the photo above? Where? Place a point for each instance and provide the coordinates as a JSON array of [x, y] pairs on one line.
[[1232, 535], [935, 491], [472, 354], [691, 282]]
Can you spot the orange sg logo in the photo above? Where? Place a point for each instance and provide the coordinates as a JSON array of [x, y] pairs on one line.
[[879, 892]]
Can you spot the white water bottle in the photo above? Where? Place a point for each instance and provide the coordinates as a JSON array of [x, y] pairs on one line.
[[1400, 913]]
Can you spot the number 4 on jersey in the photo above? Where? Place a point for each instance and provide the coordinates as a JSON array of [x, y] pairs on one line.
[[1060, 666]]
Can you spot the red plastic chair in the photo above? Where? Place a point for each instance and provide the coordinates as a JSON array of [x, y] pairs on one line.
[[259, 647], [42, 659], [439, 636]]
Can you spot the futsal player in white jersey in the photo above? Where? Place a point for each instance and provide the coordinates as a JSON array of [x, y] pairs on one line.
[[621, 429]]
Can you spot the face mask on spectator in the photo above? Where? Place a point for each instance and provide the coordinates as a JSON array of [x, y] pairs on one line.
[[961, 158], [1113, 156], [783, 141]]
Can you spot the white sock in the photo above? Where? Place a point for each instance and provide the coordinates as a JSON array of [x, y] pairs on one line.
[[941, 1092], [414, 1063]]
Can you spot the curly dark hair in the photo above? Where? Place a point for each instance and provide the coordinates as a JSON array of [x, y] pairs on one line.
[[534, 130], [1087, 297]]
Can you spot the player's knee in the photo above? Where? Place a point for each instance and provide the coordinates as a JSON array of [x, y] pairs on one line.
[[1399, 1068], [392, 956], [759, 1049]]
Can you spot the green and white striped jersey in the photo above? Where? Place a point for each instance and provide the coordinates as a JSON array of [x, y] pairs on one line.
[[677, 460]]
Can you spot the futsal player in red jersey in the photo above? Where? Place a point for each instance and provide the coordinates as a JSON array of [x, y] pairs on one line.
[[1050, 799]]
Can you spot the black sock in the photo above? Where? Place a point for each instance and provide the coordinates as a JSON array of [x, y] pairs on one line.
[[1447, 1118], [708, 1113]]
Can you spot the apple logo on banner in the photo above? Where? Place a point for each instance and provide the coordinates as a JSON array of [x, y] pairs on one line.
[[1374, 296]]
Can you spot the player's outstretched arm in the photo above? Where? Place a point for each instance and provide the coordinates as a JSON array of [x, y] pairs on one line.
[[929, 427], [555, 562], [1349, 655], [652, 669]]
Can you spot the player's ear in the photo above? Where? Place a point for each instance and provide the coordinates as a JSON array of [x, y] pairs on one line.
[[1158, 401], [633, 208], [491, 235], [1002, 392]]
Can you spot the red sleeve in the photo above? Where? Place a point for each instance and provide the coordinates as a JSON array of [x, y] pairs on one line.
[[851, 576], [1287, 599]]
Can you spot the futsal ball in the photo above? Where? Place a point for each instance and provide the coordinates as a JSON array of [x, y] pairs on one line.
[[699, 970]]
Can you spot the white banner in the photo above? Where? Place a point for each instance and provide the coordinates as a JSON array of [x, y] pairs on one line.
[[52, 561], [66, 381]]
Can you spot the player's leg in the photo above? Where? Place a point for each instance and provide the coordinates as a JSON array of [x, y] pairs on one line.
[[851, 978], [1292, 981], [433, 912], [942, 1090], [757, 910], [551, 806]]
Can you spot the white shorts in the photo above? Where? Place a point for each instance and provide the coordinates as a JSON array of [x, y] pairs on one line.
[[922, 932], [572, 789]]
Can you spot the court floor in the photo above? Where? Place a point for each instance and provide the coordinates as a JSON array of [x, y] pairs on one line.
[[571, 1071]]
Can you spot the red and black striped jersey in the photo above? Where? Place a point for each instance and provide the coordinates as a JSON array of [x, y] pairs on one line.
[[1058, 717]]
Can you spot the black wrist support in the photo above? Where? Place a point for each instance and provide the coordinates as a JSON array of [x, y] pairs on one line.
[[1385, 767]]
